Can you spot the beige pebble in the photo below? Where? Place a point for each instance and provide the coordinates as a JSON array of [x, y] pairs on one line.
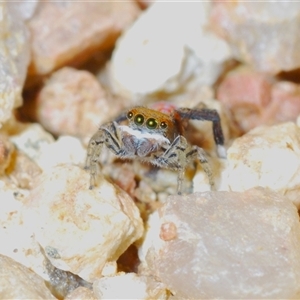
[[62, 210], [18, 282], [267, 156]]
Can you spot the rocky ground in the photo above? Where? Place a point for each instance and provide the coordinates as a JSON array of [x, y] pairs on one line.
[[68, 67]]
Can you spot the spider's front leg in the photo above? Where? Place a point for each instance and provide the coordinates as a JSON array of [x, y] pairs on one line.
[[206, 114], [108, 135], [178, 155]]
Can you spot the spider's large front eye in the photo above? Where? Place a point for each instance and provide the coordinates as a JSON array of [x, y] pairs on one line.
[[151, 123], [129, 114], [139, 119]]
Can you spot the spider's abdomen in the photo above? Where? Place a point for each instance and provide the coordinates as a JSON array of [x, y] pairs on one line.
[[142, 143]]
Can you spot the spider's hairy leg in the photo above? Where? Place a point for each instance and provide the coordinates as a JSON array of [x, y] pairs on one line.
[[93, 151], [108, 135], [174, 158], [178, 155], [206, 114], [195, 153]]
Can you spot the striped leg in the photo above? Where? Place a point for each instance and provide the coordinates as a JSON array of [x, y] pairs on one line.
[[178, 155]]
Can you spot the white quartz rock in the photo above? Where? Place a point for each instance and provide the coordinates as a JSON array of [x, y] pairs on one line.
[[14, 59], [41, 147], [166, 48], [129, 286], [226, 245], [16, 240], [78, 228], [32, 139], [66, 149], [267, 156]]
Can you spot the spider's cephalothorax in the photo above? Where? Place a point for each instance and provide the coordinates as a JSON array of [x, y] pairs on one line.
[[154, 137]]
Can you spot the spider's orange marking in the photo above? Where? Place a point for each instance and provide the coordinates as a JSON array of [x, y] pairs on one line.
[[165, 122]]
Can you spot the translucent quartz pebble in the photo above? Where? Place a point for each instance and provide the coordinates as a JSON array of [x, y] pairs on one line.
[[227, 245]]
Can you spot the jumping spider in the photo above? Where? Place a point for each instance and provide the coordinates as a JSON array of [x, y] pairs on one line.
[[154, 137]]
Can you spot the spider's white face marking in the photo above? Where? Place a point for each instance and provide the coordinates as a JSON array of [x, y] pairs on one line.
[[144, 135]]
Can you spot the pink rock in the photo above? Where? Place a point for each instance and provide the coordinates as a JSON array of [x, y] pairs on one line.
[[246, 93], [69, 32], [285, 103], [262, 34], [256, 99], [73, 102], [229, 245], [244, 86]]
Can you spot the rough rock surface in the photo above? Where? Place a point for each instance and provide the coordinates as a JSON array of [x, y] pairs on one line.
[[6, 150], [129, 286], [262, 34], [267, 156], [157, 56], [14, 59], [18, 282], [73, 103], [81, 293], [61, 210], [226, 245], [69, 32]]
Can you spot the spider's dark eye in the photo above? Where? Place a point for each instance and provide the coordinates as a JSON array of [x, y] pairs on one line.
[[163, 125], [129, 115], [151, 123], [139, 119]]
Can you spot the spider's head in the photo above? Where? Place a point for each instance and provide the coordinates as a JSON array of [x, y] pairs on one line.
[[150, 120]]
